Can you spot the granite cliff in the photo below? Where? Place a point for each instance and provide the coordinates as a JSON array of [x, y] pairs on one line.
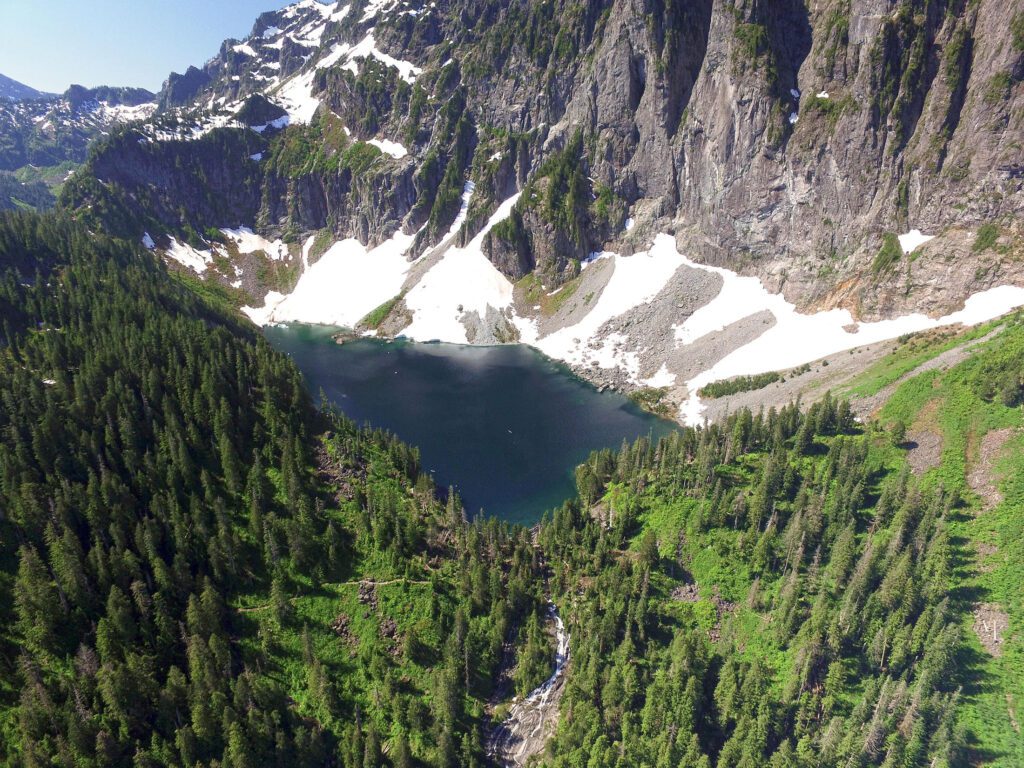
[[468, 159]]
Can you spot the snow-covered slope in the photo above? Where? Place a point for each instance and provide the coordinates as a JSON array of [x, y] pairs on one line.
[[463, 287], [342, 287], [49, 130]]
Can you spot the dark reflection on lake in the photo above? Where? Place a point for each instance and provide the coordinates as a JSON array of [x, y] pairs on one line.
[[506, 426]]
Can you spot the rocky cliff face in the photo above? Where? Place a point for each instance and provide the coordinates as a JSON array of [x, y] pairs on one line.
[[784, 139], [790, 139], [280, 44]]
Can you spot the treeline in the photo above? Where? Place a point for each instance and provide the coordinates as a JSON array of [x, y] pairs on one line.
[[762, 592], [739, 384], [179, 530]]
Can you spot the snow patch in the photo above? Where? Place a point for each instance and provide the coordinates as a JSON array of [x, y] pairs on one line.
[[347, 283], [249, 242], [374, 7], [296, 97], [463, 281], [306, 248], [148, 241], [663, 378], [186, 255], [794, 118], [392, 148], [595, 256], [277, 125], [367, 47], [311, 35], [334, 56], [262, 315], [913, 240], [244, 48], [314, 5], [467, 194], [125, 114]]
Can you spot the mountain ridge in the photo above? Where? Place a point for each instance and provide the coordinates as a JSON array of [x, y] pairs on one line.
[[853, 159], [802, 228], [14, 91], [52, 129]]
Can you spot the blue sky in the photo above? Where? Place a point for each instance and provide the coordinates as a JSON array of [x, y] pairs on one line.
[[50, 44]]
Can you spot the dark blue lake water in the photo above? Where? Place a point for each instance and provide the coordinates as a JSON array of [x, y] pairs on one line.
[[506, 426]]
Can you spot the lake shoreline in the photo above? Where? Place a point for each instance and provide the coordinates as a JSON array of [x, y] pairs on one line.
[[505, 425]]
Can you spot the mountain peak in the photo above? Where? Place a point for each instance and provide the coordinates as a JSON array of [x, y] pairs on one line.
[[12, 90]]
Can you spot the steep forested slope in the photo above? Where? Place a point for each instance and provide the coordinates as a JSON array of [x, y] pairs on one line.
[[784, 590], [199, 569]]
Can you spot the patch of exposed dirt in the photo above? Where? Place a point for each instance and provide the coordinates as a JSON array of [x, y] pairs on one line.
[[986, 551], [1012, 712], [990, 625], [924, 441], [981, 477], [925, 451]]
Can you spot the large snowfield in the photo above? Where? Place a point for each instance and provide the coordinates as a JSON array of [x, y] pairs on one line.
[[347, 283], [350, 280]]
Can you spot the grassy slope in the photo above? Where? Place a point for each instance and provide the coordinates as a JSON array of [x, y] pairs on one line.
[[997, 687], [993, 688], [912, 351]]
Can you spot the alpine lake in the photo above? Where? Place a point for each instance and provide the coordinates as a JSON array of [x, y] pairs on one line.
[[505, 426]]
